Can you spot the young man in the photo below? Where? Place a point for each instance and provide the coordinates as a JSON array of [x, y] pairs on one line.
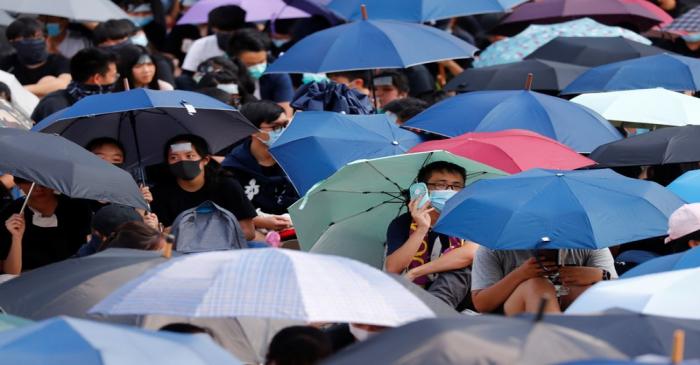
[[390, 85], [355, 80]]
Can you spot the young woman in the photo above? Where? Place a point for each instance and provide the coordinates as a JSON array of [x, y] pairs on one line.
[[137, 65]]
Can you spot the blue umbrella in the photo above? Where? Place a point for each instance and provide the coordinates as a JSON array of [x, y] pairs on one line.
[[489, 111], [687, 186], [679, 261], [419, 10], [70, 341], [317, 144], [545, 209], [368, 45], [666, 70], [660, 361], [143, 120]]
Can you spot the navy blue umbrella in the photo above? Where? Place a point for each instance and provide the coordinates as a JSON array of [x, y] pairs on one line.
[[420, 10], [679, 261], [143, 120], [331, 97], [490, 111], [553, 209], [669, 71]]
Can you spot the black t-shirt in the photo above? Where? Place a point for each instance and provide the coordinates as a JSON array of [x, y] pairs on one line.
[[400, 229], [55, 65], [52, 103], [170, 200], [43, 246]]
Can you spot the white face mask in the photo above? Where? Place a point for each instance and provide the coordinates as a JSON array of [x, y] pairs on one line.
[[41, 221], [359, 333]]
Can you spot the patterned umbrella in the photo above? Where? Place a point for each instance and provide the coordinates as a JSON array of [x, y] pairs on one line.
[[688, 22]]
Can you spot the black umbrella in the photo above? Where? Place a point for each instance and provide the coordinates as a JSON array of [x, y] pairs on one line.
[[592, 51], [59, 164], [549, 76], [662, 146]]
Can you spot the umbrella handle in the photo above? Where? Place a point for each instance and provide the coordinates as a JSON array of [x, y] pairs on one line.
[[26, 199], [678, 347]]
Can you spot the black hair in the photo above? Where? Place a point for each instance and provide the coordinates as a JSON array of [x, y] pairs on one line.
[[23, 28], [90, 61], [185, 328], [129, 56], [216, 93], [352, 75], [227, 18], [681, 244], [209, 81], [212, 171], [113, 29], [234, 65], [261, 111], [134, 235], [440, 166], [406, 108], [102, 141], [5, 92], [398, 79], [248, 40], [299, 345]]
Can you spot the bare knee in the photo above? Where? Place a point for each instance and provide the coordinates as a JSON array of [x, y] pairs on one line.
[[528, 296]]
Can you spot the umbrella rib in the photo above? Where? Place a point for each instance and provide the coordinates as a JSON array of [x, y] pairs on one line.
[[390, 201], [385, 177]]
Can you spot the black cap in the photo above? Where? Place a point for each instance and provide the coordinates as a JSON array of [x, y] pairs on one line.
[[109, 218]]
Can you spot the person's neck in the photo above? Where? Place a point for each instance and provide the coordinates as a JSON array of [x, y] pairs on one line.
[[261, 153], [47, 206], [192, 185], [434, 216], [31, 67]]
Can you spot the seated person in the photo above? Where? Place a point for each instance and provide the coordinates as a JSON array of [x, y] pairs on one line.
[[401, 110], [136, 236], [514, 281], [298, 345], [355, 80], [390, 85], [107, 222], [410, 239], [64, 38], [684, 228]]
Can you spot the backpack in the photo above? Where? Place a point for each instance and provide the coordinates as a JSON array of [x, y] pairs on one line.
[[207, 227]]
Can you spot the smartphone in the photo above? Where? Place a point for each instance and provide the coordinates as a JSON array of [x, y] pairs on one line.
[[547, 255], [417, 190]]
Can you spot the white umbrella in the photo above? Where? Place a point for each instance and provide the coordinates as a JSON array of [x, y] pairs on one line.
[[671, 294], [270, 283], [83, 10], [23, 100], [644, 107]]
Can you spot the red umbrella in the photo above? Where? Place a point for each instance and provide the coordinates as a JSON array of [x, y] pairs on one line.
[[512, 150]]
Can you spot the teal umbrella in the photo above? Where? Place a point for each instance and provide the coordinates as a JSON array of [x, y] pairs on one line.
[[348, 213], [8, 322]]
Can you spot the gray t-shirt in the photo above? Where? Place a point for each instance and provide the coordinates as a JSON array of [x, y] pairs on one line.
[[491, 266]]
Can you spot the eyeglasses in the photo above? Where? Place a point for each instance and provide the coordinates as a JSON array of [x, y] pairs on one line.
[[445, 186]]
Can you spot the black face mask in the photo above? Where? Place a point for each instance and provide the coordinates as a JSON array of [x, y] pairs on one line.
[[31, 51], [186, 170], [117, 47]]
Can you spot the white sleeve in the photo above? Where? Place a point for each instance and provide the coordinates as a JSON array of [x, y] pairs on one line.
[[194, 56]]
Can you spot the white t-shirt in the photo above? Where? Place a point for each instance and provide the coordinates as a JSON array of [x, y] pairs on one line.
[[201, 50]]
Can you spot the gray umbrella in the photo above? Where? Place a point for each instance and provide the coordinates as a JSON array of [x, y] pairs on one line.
[[440, 308], [90, 10], [475, 340]]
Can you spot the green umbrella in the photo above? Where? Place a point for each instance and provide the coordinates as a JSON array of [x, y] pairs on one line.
[[348, 213], [8, 322]]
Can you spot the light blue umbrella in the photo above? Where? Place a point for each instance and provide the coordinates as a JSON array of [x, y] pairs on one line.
[[679, 261], [70, 341], [687, 186], [419, 10]]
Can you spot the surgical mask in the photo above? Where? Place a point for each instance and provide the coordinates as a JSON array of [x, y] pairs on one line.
[[141, 21], [186, 170], [308, 78], [139, 39], [359, 333], [228, 88], [274, 135], [692, 37], [438, 198], [31, 51], [256, 71], [197, 77], [41, 221], [53, 29]]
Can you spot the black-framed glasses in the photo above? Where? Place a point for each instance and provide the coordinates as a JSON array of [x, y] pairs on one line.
[[445, 186]]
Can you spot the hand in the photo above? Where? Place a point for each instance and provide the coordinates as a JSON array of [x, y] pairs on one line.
[[146, 192], [274, 222], [421, 215], [15, 225], [151, 220], [411, 275], [580, 275], [532, 269]]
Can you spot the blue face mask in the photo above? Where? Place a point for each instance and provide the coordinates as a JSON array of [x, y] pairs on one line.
[[141, 21], [274, 136], [279, 42], [308, 78], [256, 71], [692, 37], [53, 29], [139, 39], [438, 198]]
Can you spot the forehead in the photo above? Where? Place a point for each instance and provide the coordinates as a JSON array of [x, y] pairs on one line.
[[250, 58], [442, 175]]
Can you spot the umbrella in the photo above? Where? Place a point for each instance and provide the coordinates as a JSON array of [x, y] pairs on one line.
[[679, 261], [489, 111], [593, 51], [12, 118], [475, 340], [371, 44], [687, 186], [666, 70], [516, 48], [554, 209], [8, 322], [660, 360], [331, 96], [671, 294], [5, 18], [348, 213], [548, 76], [316, 7], [612, 12], [317, 144], [644, 107], [662, 146], [22, 99], [81, 10], [688, 22], [143, 120], [256, 10], [70, 341], [511, 151], [80, 283], [56, 163], [268, 283], [419, 11]]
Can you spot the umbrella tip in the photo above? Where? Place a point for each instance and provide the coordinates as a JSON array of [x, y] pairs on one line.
[[559, 174], [528, 82], [395, 143], [363, 9], [678, 347]]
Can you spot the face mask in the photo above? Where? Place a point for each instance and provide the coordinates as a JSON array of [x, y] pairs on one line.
[[438, 198], [256, 71], [359, 333], [279, 42], [274, 136], [41, 221], [197, 77], [186, 170], [141, 21], [229, 88], [692, 37], [139, 39], [53, 29], [118, 46], [308, 78], [31, 51]]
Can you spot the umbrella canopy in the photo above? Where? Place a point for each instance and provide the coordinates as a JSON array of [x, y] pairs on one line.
[[662, 146], [22, 99], [688, 22], [669, 71], [475, 340], [687, 186], [593, 51], [371, 44], [554, 209], [93, 10], [548, 76], [317, 144], [511, 151], [316, 7], [348, 213], [256, 10], [516, 48], [143, 120], [13, 118], [670, 294], [8, 322], [331, 96], [419, 11], [269, 283], [489, 111], [59, 164], [654, 360], [64, 341], [679, 261], [644, 107]]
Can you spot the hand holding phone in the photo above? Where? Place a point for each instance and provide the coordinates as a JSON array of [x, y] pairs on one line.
[[419, 190]]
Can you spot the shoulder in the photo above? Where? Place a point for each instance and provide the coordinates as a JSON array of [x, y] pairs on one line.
[[162, 85], [401, 222]]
